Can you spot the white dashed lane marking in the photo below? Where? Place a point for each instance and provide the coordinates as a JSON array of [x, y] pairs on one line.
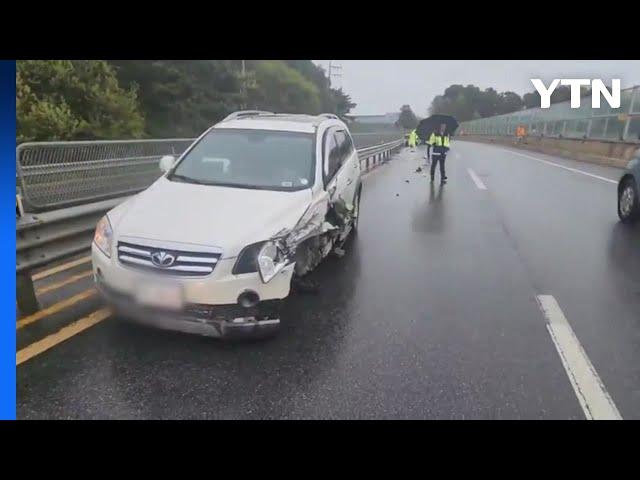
[[574, 170], [591, 392], [476, 179]]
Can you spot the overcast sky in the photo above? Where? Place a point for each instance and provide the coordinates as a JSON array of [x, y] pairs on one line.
[[381, 86]]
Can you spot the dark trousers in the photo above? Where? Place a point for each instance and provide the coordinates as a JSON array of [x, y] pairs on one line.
[[438, 157]]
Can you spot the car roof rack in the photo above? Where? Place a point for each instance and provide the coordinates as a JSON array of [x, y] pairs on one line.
[[245, 113]]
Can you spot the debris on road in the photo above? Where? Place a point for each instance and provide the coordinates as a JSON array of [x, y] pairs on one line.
[[418, 170]]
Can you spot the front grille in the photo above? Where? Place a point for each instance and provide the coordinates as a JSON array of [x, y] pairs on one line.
[[185, 263]]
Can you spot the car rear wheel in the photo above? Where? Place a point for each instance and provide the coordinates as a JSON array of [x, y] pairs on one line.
[[628, 202]]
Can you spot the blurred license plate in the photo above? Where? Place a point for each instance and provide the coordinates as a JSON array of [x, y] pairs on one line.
[[167, 296]]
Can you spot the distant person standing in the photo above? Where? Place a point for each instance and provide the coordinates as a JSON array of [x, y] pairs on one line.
[[413, 139], [439, 142]]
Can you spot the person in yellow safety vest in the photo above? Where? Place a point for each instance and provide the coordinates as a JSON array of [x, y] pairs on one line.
[[413, 138], [439, 142]]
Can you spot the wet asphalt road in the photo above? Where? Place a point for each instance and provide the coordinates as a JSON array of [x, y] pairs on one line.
[[431, 314]]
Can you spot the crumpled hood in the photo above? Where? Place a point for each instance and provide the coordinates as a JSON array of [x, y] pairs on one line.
[[229, 218]]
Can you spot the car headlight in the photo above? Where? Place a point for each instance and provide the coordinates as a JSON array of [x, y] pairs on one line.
[[270, 261], [103, 236], [266, 258], [248, 259]]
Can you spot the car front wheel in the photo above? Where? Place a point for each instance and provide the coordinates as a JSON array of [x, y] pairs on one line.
[[356, 211], [628, 202]]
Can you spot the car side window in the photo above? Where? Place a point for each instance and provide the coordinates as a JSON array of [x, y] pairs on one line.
[[332, 154], [345, 144]]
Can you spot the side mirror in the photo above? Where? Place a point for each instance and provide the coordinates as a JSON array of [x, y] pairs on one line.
[[167, 162]]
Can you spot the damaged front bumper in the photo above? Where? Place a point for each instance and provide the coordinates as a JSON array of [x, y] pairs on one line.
[[221, 321]]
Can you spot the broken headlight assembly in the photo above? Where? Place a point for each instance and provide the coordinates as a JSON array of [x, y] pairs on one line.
[[248, 259], [267, 258], [270, 261]]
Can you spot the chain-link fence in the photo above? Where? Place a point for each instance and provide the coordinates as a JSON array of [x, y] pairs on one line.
[[59, 174], [53, 175], [605, 123]]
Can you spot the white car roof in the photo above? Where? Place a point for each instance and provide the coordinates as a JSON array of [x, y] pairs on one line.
[[281, 122]]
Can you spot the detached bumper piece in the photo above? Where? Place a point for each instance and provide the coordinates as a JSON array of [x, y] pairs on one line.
[[223, 321]]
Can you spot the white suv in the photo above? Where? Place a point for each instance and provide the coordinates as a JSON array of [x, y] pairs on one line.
[[211, 247]]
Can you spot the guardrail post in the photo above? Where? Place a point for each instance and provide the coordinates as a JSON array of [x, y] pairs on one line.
[[634, 98], [26, 294]]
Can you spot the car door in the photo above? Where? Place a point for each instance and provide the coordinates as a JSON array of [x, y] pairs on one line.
[[350, 165], [334, 181], [349, 172]]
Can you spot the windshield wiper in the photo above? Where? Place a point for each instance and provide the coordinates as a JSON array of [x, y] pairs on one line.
[[187, 179]]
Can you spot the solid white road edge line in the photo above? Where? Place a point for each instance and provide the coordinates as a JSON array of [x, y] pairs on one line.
[[575, 170], [591, 392], [476, 179]]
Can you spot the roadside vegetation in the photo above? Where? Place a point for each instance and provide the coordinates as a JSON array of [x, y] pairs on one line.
[[118, 99]]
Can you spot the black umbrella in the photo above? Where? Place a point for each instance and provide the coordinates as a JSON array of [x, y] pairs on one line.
[[432, 124]]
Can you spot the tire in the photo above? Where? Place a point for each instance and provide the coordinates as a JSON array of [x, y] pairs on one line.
[[628, 202], [356, 205]]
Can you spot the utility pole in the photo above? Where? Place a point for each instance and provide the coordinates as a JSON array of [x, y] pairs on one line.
[[243, 86], [334, 71]]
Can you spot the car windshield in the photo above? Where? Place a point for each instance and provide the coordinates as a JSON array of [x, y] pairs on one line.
[[261, 159]]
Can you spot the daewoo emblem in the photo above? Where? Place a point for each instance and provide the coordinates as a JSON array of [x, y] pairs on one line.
[[162, 259]]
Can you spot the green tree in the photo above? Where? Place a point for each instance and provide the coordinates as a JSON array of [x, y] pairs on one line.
[[458, 101], [509, 102], [63, 99], [562, 93], [182, 98], [73, 99], [469, 102], [280, 88], [531, 100], [407, 118], [342, 102], [331, 100], [487, 103]]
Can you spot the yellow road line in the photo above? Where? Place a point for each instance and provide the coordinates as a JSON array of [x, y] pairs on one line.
[[55, 286], [61, 335], [55, 308], [61, 268]]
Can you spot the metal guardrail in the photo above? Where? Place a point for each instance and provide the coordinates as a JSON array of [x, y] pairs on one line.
[[43, 238]]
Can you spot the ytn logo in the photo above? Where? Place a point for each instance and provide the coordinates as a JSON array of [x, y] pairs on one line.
[[597, 89]]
